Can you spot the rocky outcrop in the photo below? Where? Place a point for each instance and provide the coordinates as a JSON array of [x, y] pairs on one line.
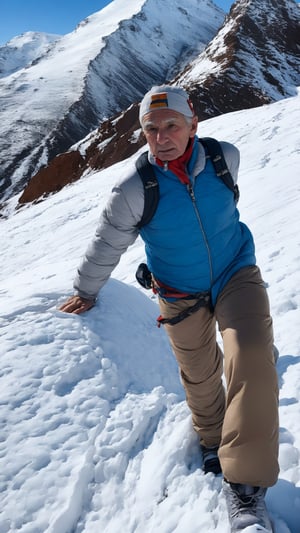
[[253, 60], [64, 169], [116, 140]]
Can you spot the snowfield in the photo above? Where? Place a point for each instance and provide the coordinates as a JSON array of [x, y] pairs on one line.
[[95, 433]]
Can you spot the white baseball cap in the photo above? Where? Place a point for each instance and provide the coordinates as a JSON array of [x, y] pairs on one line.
[[166, 97]]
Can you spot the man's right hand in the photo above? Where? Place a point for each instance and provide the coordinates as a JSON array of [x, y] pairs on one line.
[[77, 305]]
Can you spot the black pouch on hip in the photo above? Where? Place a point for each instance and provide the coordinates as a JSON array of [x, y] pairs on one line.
[[143, 276]]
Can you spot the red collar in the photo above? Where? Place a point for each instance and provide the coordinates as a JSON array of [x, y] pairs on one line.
[[179, 165]]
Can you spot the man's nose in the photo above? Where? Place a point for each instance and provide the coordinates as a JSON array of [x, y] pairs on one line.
[[161, 136]]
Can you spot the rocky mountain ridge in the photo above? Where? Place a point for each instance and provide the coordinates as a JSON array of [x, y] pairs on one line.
[[91, 74], [252, 60]]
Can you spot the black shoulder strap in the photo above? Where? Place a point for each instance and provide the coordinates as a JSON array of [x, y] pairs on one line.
[[151, 188], [214, 151]]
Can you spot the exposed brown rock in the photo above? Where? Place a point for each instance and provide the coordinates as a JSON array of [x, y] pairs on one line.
[[123, 138], [115, 140], [62, 170]]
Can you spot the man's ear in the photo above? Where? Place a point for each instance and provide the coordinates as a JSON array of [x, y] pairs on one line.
[[194, 126]]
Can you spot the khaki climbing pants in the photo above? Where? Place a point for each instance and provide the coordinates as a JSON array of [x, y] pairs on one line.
[[242, 417]]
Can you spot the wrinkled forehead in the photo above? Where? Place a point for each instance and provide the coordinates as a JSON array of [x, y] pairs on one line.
[[161, 117]]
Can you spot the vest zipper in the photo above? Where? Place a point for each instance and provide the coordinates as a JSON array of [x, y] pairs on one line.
[[193, 198]]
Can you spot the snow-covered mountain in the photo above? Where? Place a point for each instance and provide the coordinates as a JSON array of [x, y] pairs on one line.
[[22, 50], [99, 69], [252, 60], [95, 433]]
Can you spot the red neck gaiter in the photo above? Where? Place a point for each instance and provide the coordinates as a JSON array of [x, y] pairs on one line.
[[179, 166]]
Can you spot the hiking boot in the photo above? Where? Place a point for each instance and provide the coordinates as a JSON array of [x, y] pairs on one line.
[[246, 507], [211, 461]]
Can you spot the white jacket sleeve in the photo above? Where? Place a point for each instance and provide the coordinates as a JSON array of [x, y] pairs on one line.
[[232, 158], [116, 231]]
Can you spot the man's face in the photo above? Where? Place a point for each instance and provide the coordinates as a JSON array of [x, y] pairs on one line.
[[167, 133]]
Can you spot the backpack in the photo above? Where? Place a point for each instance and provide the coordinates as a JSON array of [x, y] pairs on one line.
[[213, 151]]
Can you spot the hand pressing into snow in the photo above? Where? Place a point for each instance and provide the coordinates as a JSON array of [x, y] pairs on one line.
[[77, 305]]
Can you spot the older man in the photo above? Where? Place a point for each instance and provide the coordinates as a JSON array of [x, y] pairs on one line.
[[203, 267]]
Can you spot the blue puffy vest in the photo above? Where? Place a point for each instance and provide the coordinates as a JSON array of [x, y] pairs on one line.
[[195, 241]]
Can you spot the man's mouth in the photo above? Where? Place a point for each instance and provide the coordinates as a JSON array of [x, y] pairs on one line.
[[166, 150]]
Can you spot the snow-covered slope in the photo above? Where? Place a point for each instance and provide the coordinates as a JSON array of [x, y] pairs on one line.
[[95, 433], [103, 66]]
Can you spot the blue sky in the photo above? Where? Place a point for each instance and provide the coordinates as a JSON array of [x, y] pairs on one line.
[[51, 16]]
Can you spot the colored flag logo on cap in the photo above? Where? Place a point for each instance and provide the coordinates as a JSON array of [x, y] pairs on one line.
[[159, 100]]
